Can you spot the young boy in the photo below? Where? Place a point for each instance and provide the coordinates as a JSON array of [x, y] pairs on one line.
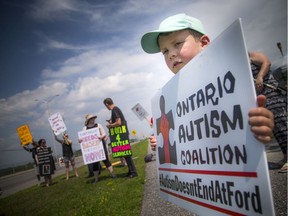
[[180, 38]]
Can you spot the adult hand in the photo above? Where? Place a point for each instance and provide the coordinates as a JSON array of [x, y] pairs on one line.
[[259, 84], [153, 142]]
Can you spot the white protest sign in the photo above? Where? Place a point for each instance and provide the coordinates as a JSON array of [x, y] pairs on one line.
[[61, 161], [140, 112], [208, 161], [91, 146], [57, 124]]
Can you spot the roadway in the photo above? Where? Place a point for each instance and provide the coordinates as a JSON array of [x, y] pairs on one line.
[[11, 184]]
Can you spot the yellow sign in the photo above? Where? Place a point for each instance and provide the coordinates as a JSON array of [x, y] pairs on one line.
[[133, 132], [24, 134]]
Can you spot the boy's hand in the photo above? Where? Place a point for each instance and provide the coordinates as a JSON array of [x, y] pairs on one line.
[[153, 142], [261, 121]]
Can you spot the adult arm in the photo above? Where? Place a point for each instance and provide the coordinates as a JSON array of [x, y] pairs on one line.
[[58, 140], [36, 158], [68, 141], [27, 149], [102, 132], [264, 63], [117, 122]]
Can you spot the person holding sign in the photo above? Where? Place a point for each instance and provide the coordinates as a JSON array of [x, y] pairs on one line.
[[119, 136], [276, 102], [180, 38], [33, 151], [45, 161], [89, 124], [68, 154]]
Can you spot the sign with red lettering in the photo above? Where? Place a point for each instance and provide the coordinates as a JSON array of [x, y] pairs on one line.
[[91, 146], [61, 161], [140, 112], [208, 160], [57, 124]]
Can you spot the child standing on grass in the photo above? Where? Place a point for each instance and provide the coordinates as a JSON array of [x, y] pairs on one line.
[[180, 38]]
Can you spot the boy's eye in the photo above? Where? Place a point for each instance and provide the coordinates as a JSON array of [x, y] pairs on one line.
[[164, 52], [178, 43]]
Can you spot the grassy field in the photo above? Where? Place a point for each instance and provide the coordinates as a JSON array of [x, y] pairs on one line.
[[77, 196]]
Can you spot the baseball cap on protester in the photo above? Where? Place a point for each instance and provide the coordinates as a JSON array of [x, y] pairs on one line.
[[173, 23]]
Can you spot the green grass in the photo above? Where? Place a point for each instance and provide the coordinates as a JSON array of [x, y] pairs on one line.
[[121, 196]]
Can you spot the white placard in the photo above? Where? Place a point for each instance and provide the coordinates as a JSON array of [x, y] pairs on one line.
[[208, 161], [140, 112], [61, 161], [57, 124], [91, 146]]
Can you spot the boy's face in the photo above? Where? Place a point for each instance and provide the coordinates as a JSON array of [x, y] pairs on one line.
[[180, 47]]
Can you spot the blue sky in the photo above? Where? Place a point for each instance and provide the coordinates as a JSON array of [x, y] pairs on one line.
[[85, 51]]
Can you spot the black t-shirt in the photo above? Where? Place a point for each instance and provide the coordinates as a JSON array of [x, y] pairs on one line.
[[67, 150], [117, 113]]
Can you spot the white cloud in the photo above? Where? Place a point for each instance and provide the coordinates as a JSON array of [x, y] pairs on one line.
[[52, 9]]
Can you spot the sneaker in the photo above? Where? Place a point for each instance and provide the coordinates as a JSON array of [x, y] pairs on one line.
[[133, 175], [284, 168], [282, 162], [90, 175], [273, 165]]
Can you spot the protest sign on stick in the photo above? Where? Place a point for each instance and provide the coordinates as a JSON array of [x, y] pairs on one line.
[[57, 124], [208, 160], [140, 112], [24, 134]]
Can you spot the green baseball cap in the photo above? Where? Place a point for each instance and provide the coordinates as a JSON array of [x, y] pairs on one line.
[[173, 23]]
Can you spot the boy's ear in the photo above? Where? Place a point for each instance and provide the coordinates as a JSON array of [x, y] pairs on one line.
[[205, 40]]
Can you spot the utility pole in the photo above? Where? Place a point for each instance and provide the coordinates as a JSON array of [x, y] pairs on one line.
[[280, 48], [47, 101]]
